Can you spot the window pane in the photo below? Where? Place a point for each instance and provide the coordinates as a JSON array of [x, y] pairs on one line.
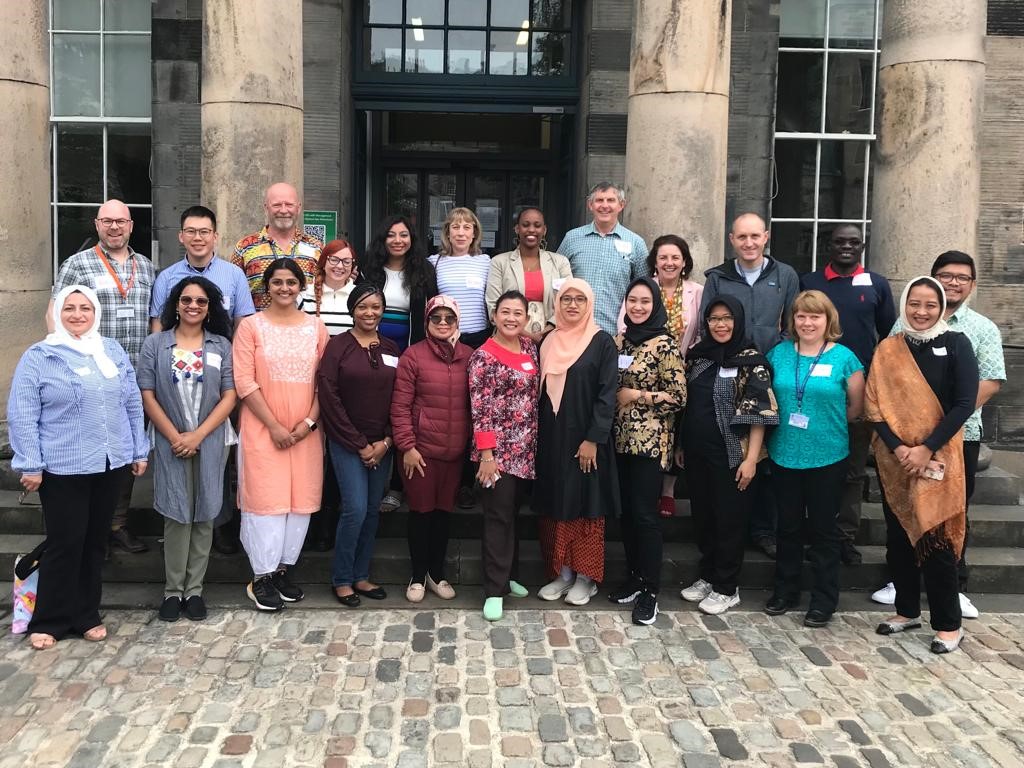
[[798, 94], [793, 243], [126, 75], [466, 52], [382, 50], [849, 93], [467, 13], [76, 14], [128, 155], [383, 11], [549, 53], [794, 168], [553, 14], [841, 188], [76, 230], [142, 231], [508, 53], [127, 15], [802, 23], [401, 194], [79, 164], [76, 74], [424, 51], [428, 12], [440, 199], [851, 24], [510, 13]]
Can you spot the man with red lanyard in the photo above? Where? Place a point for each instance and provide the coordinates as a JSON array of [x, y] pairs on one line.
[[123, 281]]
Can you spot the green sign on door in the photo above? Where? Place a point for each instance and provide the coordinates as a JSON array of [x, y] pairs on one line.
[[322, 225]]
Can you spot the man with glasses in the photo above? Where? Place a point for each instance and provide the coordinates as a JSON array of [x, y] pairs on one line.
[[198, 236], [956, 272], [123, 281]]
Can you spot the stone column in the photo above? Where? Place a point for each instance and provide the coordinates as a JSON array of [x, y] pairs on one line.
[[251, 108], [678, 123], [927, 189], [26, 270]]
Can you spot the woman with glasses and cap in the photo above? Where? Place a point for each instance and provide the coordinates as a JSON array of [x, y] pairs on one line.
[[431, 427], [354, 383], [75, 424]]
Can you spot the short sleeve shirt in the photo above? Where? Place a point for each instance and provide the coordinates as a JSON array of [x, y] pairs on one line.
[[826, 438], [225, 275], [254, 253]]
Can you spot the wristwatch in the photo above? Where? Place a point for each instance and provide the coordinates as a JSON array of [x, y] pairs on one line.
[[311, 424]]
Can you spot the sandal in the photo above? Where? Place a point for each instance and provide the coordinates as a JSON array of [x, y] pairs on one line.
[[96, 634], [667, 506], [391, 502], [42, 641]]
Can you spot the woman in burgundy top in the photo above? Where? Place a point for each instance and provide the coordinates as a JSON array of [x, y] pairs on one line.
[[430, 422], [355, 380], [503, 396]]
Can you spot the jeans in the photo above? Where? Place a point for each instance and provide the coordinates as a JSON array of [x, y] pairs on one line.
[[361, 491], [639, 489]]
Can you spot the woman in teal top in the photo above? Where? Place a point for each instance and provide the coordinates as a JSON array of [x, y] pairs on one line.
[[820, 388]]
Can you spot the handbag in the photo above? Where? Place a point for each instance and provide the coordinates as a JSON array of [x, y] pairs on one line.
[[26, 582]]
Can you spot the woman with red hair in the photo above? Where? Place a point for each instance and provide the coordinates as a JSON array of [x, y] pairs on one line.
[[327, 297]]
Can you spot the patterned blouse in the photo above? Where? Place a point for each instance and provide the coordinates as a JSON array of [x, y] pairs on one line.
[[503, 392], [643, 429], [187, 375]]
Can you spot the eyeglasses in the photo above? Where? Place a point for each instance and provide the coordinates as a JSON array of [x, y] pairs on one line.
[[192, 232], [111, 222], [721, 320], [200, 301], [334, 261], [954, 277], [568, 301], [442, 319]]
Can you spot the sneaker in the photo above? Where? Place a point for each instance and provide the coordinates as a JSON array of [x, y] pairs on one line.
[[627, 593], [581, 591], [170, 608], [645, 609], [696, 591], [263, 592], [886, 595], [555, 589], [716, 603], [967, 609], [195, 608], [289, 592]]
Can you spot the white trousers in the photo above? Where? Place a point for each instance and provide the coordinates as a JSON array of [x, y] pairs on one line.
[[273, 540]]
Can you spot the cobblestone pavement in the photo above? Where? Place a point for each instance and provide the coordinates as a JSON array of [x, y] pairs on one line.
[[540, 688]]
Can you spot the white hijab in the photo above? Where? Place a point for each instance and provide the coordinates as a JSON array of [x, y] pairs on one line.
[[90, 343], [940, 327]]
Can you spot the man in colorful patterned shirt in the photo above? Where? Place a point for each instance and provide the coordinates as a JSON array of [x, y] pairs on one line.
[[282, 237], [123, 281]]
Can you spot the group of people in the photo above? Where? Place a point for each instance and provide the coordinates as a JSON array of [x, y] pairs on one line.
[[588, 377]]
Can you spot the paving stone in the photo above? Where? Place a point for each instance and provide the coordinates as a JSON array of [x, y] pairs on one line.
[[816, 656], [448, 748], [552, 728], [805, 753], [422, 642], [389, 670], [539, 666], [700, 760], [582, 720], [626, 752], [914, 705], [876, 758], [414, 733], [516, 746], [855, 732], [447, 717], [728, 744], [687, 736], [558, 755]]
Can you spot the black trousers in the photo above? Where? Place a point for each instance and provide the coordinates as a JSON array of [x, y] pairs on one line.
[[323, 525], [639, 490], [77, 510], [428, 544], [500, 543], [939, 569], [856, 477], [813, 495], [763, 514], [971, 449], [720, 513]]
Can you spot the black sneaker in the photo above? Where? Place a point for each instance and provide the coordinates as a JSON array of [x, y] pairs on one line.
[[627, 593], [195, 608], [289, 592], [645, 610], [263, 592], [170, 609]]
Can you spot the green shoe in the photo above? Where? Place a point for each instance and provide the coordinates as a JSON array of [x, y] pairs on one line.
[[492, 608], [515, 589]]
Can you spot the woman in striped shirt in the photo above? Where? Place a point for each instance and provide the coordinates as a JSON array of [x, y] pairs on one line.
[[462, 270], [327, 297]]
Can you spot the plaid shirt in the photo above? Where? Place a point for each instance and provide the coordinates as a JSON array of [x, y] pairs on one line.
[[86, 268], [254, 253]]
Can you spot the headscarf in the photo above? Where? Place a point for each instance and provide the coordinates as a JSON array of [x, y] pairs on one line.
[[446, 348], [940, 327], [726, 355], [654, 325], [360, 292], [90, 343], [564, 345]]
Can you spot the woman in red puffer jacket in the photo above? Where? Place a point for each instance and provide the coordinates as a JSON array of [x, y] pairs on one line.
[[430, 424]]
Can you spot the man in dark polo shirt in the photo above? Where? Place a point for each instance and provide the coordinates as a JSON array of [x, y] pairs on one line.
[[866, 313]]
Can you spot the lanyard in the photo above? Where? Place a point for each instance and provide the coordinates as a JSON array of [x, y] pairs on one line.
[[801, 388], [124, 290], [274, 250]]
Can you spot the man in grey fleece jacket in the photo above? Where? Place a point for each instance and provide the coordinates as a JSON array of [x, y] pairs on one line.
[[764, 286]]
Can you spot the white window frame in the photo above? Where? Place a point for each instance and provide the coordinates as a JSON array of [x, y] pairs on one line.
[[864, 221]]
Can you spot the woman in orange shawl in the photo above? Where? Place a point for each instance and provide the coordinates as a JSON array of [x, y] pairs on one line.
[[921, 389]]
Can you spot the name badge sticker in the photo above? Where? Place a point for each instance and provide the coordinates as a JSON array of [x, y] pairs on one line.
[[727, 373], [821, 370], [126, 313], [390, 360], [226, 301], [625, 361], [939, 351], [83, 371], [103, 283], [527, 366], [213, 359], [474, 281], [798, 420], [862, 279], [557, 284], [624, 247]]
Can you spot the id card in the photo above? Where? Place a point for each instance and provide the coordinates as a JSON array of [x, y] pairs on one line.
[[625, 361], [624, 247], [799, 420], [935, 470], [126, 313], [727, 373], [390, 360], [821, 369]]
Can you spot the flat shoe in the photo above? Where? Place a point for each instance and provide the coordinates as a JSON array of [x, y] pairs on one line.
[[816, 619], [415, 593], [349, 601], [390, 503], [667, 506], [492, 608], [377, 593], [195, 608], [170, 609], [515, 589], [441, 588], [42, 641], [947, 646], [895, 626]]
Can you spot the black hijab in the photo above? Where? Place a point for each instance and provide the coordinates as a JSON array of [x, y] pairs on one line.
[[654, 325], [360, 292], [726, 355]]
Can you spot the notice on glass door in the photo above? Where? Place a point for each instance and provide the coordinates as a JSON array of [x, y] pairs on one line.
[[489, 212]]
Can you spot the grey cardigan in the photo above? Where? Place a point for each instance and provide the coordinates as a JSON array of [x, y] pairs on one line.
[[154, 374]]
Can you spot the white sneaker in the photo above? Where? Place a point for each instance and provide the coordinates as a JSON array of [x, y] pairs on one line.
[[581, 591], [554, 589], [716, 603], [886, 595], [696, 591], [967, 609]]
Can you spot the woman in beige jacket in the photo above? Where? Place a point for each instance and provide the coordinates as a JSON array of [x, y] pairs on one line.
[[531, 270]]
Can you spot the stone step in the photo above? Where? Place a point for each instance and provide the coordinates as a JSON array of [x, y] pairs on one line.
[[993, 569], [992, 486]]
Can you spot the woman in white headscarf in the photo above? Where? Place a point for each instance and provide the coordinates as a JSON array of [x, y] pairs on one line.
[[76, 429]]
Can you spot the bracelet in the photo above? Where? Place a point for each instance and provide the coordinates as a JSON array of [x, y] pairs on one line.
[[484, 461]]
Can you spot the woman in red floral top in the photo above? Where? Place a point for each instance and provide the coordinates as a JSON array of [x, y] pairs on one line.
[[503, 376]]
